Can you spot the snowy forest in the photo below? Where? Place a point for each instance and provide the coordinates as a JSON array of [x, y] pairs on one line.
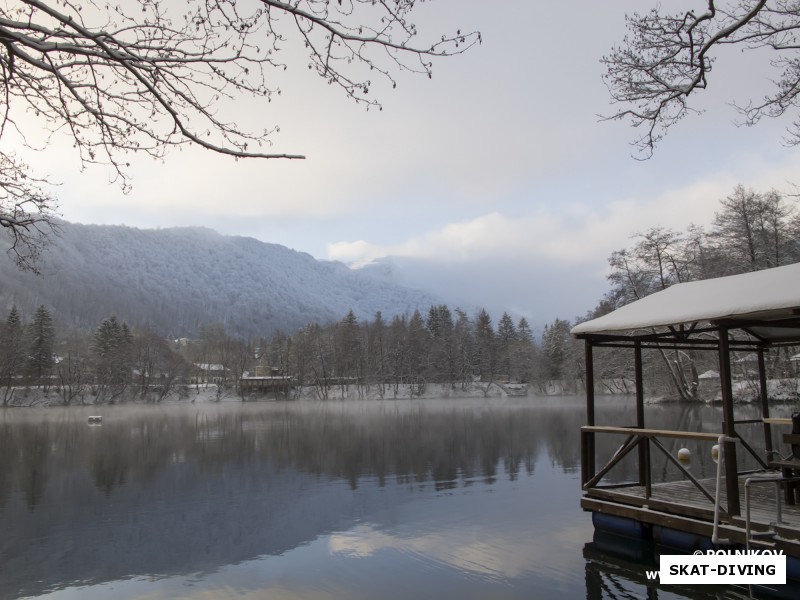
[[445, 346], [117, 362], [178, 278]]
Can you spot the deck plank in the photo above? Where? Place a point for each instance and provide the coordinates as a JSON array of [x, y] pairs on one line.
[[682, 499]]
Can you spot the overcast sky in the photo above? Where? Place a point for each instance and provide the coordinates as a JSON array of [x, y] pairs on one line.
[[496, 175]]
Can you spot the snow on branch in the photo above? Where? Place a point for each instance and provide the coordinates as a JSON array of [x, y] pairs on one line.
[[666, 58], [142, 76]]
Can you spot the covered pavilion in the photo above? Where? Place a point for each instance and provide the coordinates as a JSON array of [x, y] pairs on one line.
[[752, 312]]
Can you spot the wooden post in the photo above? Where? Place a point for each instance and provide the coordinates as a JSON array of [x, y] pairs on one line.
[[762, 380], [644, 445], [587, 440], [728, 426]]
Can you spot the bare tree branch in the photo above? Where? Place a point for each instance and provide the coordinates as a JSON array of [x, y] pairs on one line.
[[142, 76], [27, 213], [665, 59]]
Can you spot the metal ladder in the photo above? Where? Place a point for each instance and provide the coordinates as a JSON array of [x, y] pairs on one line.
[[770, 534]]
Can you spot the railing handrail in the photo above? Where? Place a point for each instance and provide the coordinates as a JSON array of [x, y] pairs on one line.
[[637, 435], [643, 432], [686, 435]]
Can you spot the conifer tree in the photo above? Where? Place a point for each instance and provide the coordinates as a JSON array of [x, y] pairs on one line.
[[442, 352], [40, 334], [486, 347], [418, 347], [376, 351], [11, 352], [398, 351], [557, 349], [465, 347], [524, 352], [506, 338], [112, 348], [348, 346]]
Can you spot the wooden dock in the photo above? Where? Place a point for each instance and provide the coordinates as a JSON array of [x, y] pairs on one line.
[[681, 506], [753, 313]]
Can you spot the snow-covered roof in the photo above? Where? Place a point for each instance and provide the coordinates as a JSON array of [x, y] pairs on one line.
[[710, 374], [210, 366], [761, 295]]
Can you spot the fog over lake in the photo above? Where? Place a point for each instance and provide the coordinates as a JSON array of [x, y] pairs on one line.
[[470, 498]]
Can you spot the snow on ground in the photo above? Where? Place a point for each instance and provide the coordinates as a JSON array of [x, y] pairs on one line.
[[210, 393], [743, 391]]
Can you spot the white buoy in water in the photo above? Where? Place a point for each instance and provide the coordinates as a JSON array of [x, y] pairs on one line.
[[684, 455], [715, 452]]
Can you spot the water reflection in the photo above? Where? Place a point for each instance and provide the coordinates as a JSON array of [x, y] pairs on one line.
[[342, 500], [616, 570]]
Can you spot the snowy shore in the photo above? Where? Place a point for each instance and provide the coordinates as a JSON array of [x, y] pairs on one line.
[[744, 392]]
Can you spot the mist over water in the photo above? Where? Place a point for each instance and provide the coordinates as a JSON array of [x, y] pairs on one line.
[[395, 499]]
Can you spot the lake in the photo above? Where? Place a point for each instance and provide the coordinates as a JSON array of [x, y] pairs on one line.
[[455, 498]]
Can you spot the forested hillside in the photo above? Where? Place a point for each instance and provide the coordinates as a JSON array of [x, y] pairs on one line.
[[177, 279], [247, 306]]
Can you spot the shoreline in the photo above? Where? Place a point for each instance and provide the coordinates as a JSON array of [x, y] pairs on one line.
[[210, 394]]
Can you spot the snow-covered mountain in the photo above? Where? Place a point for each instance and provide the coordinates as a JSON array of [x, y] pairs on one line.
[[177, 279]]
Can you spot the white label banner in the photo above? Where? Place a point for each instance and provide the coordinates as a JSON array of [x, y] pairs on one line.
[[722, 569]]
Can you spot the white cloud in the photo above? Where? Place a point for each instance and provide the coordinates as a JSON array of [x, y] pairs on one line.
[[497, 555], [569, 232], [497, 165]]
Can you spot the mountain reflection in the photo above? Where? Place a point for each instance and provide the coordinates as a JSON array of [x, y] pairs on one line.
[[165, 491], [182, 490], [445, 448]]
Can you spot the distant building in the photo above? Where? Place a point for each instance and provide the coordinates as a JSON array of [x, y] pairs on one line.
[[266, 380], [209, 373]]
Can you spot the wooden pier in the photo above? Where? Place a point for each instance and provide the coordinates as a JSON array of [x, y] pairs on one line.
[[754, 313], [679, 506]]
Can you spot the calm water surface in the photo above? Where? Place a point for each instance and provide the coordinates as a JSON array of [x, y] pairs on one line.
[[457, 498]]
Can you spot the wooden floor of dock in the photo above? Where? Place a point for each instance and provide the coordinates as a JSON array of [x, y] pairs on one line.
[[680, 505]]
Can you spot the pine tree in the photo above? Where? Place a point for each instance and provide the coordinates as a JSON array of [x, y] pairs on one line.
[[418, 346], [506, 338], [524, 352], [557, 349], [464, 347], [11, 352], [112, 347], [486, 346], [398, 351], [348, 347], [376, 350], [442, 350], [524, 332], [40, 334], [107, 337]]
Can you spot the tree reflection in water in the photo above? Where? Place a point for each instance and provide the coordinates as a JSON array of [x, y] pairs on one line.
[[409, 444], [164, 491]]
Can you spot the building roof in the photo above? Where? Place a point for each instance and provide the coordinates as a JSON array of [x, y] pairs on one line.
[[710, 374], [765, 301]]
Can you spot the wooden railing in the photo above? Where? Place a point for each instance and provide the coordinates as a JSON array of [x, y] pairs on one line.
[[643, 439]]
